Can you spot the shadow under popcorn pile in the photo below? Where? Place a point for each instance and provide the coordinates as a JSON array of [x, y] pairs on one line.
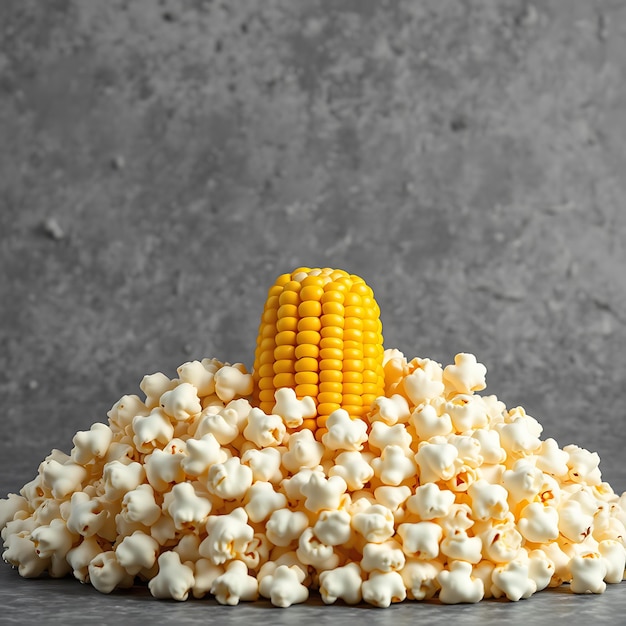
[[388, 479]]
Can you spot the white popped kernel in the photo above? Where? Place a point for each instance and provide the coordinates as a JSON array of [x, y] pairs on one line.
[[466, 412], [614, 554], [551, 459], [574, 523], [205, 573], [488, 501], [188, 547], [375, 523], [106, 573], [344, 433], [383, 588], [136, 552], [490, 448], [518, 437], [284, 586], [458, 545], [523, 481], [392, 497], [430, 502], [292, 410], [458, 585], [10, 507], [333, 527], [312, 551], [20, 552], [501, 543], [393, 466], [539, 523], [174, 580], [199, 376], [285, 525], [54, 539], [304, 451], [540, 568], [154, 386], [261, 501], [583, 465], [122, 412], [201, 454], [185, 507], [63, 478], [163, 469], [420, 578], [421, 540], [383, 557], [588, 572], [322, 493], [87, 515], [512, 580], [229, 480], [429, 422], [354, 467], [235, 585], [91, 444], [424, 382], [139, 506], [152, 431], [232, 381], [341, 583], [466, 375], [181, 403], [228, 536], [264, 430], [436, 459], [265, 464], [390, 411], [79, 558], [223, 424]]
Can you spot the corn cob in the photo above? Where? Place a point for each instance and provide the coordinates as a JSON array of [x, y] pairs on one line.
[[320, 334]]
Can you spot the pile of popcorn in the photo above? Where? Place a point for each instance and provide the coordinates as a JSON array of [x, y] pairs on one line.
[[438, 492]]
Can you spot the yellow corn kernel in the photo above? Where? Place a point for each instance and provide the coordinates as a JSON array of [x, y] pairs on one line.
[[320, 335]]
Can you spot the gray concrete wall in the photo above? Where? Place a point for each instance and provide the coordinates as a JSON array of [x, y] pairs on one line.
[[162, 162]]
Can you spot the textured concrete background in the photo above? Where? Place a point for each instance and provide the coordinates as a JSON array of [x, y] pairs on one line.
[[162, 162]]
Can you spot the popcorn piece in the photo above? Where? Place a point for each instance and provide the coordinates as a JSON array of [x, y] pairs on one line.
[[513, 580], [152, 431], [261, 501], [136, 552], [181, 402], [466, 375], [420, 578], [322, 493], [390, 411], [52, 540], [466, 412], [174, 580], [393, 466], [392, 497], [341, 583], [202, 453], [459, 517], [139, 506], [421, 540], [229, 480], [540, 569], [354, 467], [284, 526], [539, 523], [292, 410], [383, 588], [188, 548], [21, 552], [488, 501], [490, 448], [344, 433], [382, 557], [228, 536], [222, 424], [235, 585], [284, 586], [62, 479], [264, 430], [87, 515], [185, 507], [396, 369], [523, 481], [574, 523], [163, 530], [304, 451], [458, 545], [430, 502], [501, 543], [79, 558], [583, 465], [232, 381], [458, 585], [106, 574], [614, 555], [428, 422], [519, 438], [551, 459], [163, 469], [588, 572], [154, 386], [425, 382], [265, 464], [122, 412], [91, 444], [311, 551], [436, 459], [375, 523], [195, 373], [333, 527], [11, 506], [381, 436]]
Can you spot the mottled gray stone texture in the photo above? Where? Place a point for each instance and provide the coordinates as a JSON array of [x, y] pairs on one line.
[[162, 162]]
